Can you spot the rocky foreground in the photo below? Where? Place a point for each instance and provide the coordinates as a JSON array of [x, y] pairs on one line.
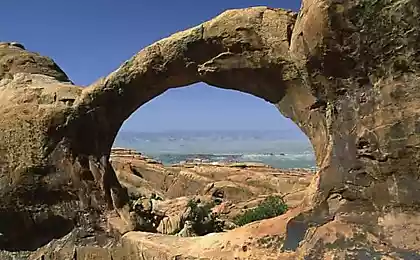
[[165, 191], [235, 186]]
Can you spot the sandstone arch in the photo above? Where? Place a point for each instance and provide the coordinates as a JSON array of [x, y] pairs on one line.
[[346, 73]]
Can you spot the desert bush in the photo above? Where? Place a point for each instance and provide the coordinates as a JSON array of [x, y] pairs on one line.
[[204, 221], [271, 207]]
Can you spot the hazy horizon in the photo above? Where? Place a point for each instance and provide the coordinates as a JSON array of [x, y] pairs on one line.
[[215, 130], [278, 148]]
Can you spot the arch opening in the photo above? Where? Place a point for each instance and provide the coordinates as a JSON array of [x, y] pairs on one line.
[[192, 162], [239, 55], [249, 61], [209, 124]]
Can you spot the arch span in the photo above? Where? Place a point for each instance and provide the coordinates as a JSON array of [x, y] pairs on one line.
[[247, 50], [251, 50]]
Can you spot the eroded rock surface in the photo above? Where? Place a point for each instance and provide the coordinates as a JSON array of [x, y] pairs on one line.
[[144, 176], [229, 189], [346, 72]]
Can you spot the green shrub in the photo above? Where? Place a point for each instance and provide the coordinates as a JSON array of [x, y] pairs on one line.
[[271, 207], [204, 221]]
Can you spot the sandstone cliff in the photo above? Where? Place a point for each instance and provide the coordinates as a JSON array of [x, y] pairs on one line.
[[345, 71]]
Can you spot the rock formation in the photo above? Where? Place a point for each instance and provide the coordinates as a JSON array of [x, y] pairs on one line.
[[235, 189], [345, 71], [143, 176]]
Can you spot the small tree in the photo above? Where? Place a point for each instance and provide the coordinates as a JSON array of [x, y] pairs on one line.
[[271, 207]]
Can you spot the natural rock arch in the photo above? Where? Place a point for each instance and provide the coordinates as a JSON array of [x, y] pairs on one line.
[[345, 73], [241, 54]]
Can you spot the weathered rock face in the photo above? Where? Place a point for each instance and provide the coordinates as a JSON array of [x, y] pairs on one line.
[[345, 71], [46, 187], [361, 62]]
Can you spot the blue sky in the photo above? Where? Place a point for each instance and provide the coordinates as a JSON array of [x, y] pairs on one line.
[[91, 38]]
